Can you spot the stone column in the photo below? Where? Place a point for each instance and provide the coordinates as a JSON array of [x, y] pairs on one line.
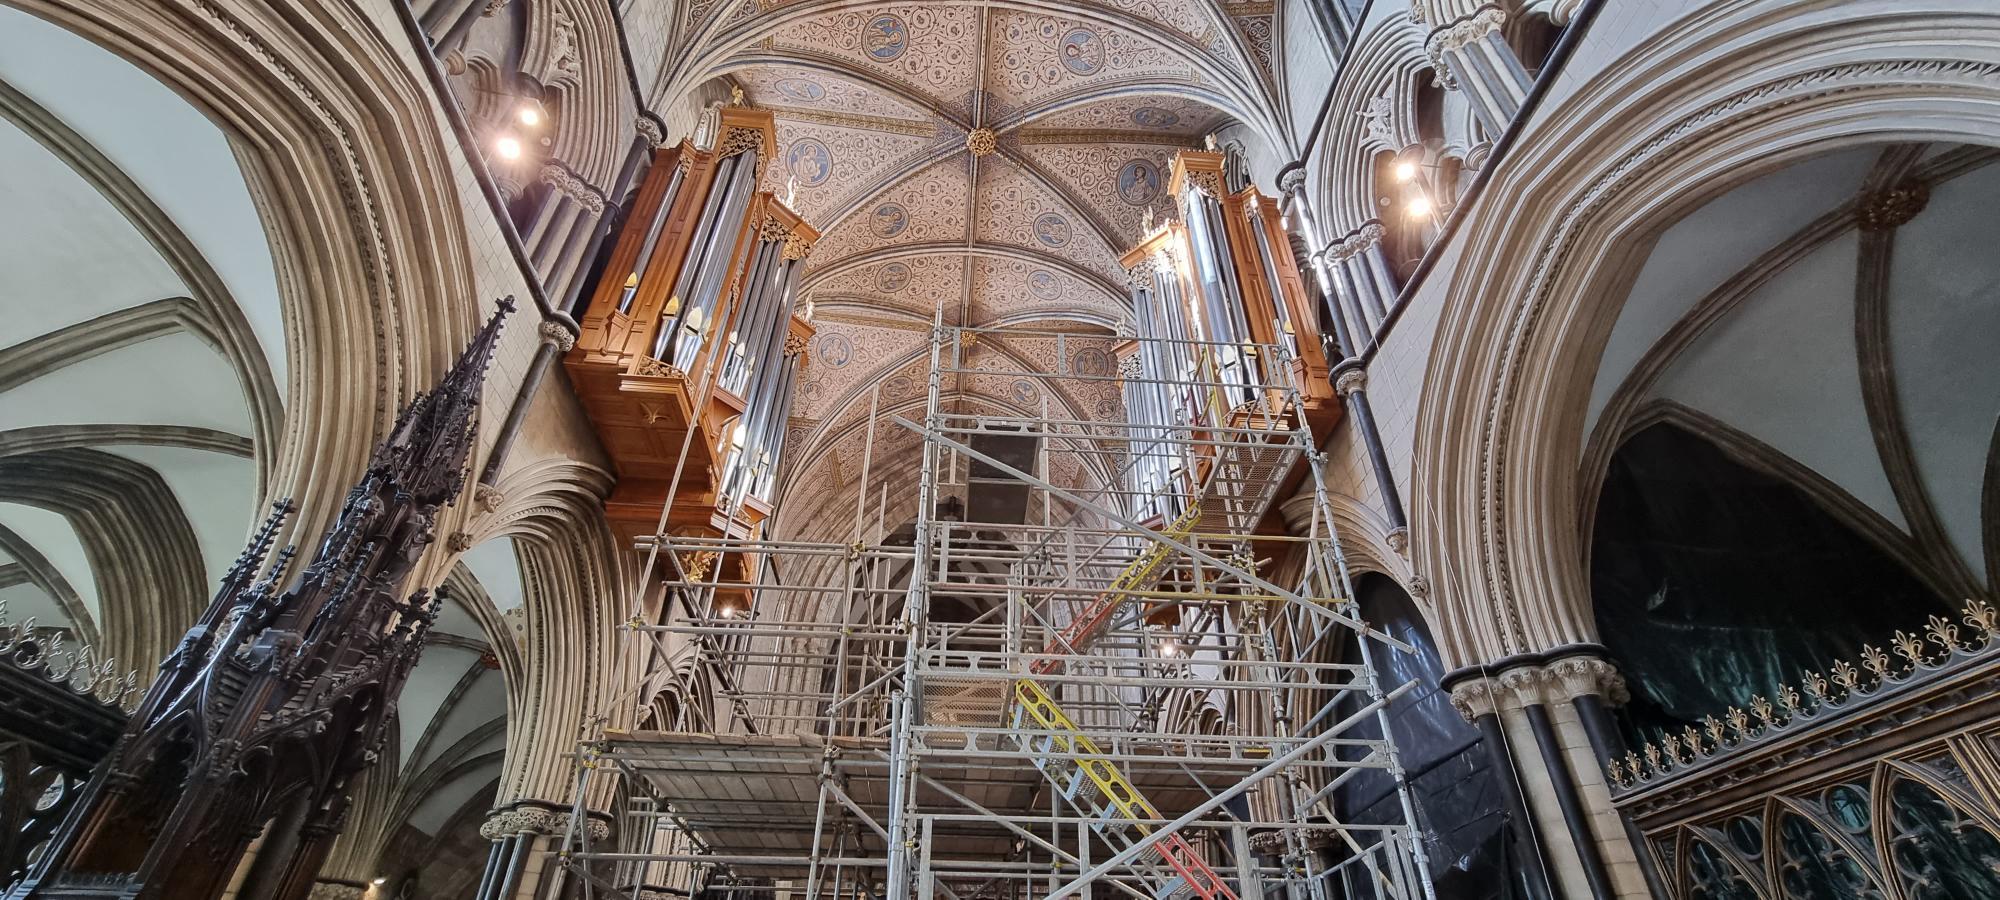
[[1546, 719], [1360, 275], [558, 335], [1306, 247], [1471, 54], [1351, 382], [520, 867]]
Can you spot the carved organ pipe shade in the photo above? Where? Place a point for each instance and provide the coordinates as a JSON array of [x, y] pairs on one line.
[[1714, 581]]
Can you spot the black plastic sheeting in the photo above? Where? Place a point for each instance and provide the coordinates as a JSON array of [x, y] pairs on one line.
[[1714, 582], [1453, 782]]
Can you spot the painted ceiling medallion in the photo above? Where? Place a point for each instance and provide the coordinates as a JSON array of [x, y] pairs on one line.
[[1042, 283], [1138, 182], [1082, 51], [1052, 229], [836, 350], [810, 162], [892, 277], [1025, 391], [889, 220], [1091, 362], [801, 90], [885, 38], [1155, 117], [981, 142]]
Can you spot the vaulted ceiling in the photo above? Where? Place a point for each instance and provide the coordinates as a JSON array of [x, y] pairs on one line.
[[879, 111], [1821, 323]]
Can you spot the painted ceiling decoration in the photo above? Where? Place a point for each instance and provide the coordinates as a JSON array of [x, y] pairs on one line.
[[983, 164]]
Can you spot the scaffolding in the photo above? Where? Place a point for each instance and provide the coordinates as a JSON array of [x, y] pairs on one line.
[[1109, 684]]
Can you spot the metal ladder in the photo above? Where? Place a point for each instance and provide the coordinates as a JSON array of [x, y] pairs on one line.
[[1072, 762]]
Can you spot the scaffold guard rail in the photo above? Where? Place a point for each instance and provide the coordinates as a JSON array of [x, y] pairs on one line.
[[1131, 684]]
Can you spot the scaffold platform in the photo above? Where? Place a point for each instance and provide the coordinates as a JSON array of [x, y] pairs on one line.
[[1132, 686]]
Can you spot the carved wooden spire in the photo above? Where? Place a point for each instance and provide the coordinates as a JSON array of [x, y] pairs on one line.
[[283, 691]]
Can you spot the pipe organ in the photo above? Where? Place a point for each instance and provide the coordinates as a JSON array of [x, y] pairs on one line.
[[1221, 287], [693, 338]]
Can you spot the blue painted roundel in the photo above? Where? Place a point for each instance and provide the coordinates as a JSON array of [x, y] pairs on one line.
[[884, 38]]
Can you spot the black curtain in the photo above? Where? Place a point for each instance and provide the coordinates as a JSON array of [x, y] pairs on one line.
[[1714, 581], [1452, 782]]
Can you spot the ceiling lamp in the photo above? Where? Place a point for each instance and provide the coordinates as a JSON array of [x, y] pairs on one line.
[[508, 146]]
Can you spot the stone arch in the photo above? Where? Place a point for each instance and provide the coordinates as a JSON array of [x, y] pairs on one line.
[[1368, 117], [1498, 437], [373, 272]]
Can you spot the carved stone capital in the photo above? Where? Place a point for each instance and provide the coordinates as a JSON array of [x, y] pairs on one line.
[[1575, 676], [1419, 588], [1355, 242], [566, 182], [1889, 209], [525, 820], [488, 497], [1293, 181], [1350, 380], [555, 334], [1474, 698], [650, 130], [458, 542], [335, 890], [1528, 685], [1466, 30]]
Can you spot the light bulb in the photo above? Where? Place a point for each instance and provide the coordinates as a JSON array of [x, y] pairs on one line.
[[1406, 171], [508, 146], [381, 879], [1418, 207], [1167, 648], [728, 612], [529, 116]]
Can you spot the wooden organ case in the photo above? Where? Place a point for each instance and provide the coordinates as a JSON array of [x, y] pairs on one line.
[[1222, 278], [691, 341]]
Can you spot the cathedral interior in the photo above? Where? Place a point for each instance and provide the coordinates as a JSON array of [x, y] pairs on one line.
[[1007, 450]]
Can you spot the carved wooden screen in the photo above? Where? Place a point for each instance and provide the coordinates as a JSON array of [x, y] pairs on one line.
[[1882, 782], [58, 717]]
